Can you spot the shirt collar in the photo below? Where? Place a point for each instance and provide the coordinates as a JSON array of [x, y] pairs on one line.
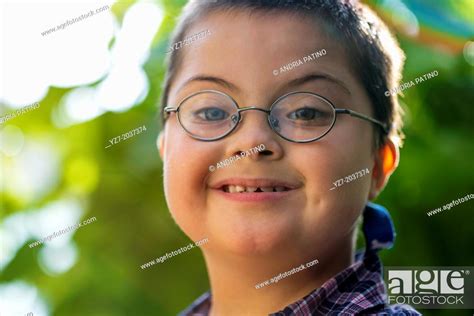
[[358, 288], [377, 227]]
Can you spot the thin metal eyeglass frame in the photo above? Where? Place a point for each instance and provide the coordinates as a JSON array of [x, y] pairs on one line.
[[168, 109]]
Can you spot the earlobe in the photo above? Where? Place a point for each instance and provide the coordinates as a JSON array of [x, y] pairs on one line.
[[160, 144], [386, 161]]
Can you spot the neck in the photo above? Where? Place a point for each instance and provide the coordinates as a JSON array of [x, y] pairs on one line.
[[233, 279]]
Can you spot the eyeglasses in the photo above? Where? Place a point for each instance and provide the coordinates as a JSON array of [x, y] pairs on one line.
[[299, 117]]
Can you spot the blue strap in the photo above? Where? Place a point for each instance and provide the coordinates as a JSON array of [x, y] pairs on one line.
[[377, 227]]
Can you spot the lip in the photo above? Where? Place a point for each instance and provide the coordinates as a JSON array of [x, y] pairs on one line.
[[290, 187], [256, 182]]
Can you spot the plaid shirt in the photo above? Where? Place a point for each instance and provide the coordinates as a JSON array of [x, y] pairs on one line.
[[358, 290]]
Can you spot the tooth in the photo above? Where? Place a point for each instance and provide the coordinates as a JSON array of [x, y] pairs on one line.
[[279, 189], [239, 188], [232, 189], [251, 189], [266, 189]]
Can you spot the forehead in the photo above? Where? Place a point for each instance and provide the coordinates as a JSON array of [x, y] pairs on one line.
[[247, 47]]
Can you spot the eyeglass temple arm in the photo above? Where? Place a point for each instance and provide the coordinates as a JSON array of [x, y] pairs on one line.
[[169, 109], [364, 117]]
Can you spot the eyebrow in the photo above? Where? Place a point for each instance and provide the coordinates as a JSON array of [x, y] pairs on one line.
[[314, 77], [292, 84], [211, 79]]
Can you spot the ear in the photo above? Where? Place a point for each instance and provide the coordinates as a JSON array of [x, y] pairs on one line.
[[160, 143], [386, 161]]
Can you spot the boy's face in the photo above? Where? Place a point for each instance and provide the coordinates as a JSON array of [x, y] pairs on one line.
[[309, 220]]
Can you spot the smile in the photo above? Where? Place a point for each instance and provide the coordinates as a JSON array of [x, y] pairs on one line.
[[256, 189], [242, 189]]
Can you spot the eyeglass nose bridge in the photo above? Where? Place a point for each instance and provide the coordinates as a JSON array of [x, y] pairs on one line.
[[238, 117], [252, 108]]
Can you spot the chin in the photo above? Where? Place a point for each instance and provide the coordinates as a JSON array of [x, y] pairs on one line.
[[245, 240]]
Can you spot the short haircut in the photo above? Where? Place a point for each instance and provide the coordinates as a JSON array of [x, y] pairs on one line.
[[375, 55]]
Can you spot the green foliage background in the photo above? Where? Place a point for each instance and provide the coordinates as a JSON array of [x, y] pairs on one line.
[[122, 187]]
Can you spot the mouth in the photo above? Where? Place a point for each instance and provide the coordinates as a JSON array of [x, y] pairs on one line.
[[240, 186], [252, 189], [257, 190]]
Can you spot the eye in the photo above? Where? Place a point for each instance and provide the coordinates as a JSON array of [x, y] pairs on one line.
[[212, 114], [305, 114]]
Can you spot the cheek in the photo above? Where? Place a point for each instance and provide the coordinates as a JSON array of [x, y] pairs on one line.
[[333, 213], [352, 150], [184, 173]]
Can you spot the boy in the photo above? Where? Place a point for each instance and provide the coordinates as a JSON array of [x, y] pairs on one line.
[[281, 226]]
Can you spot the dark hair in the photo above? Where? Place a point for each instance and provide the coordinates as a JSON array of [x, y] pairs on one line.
[[375, 55]]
